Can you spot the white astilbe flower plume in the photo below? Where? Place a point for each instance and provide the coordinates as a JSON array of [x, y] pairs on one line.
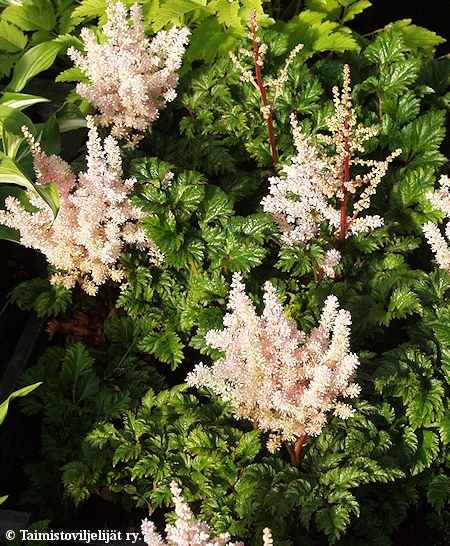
[[438, 243], [96, 219], [186, 531], [131, 78], [282, 379], [314, 189]]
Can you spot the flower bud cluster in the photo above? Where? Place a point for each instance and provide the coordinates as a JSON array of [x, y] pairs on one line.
[[257, 54]]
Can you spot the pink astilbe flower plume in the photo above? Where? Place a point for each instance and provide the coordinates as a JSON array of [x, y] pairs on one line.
[[131, 77], [282, 379], [96, 219], [186, 531], [315, 188]]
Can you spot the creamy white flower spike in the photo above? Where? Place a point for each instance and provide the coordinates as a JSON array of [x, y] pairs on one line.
[[276, 375]]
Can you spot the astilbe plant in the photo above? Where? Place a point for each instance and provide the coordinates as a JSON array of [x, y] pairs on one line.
[[96, 219], [282, 379], [188, 531], [316, 187], [131, 77]]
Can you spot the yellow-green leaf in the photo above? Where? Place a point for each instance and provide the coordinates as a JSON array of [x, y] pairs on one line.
[[12, 39], [19, 101], [35, 60], [21, 392], [12, 173]]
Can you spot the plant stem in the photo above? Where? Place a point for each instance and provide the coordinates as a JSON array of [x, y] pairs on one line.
[[295, 449], [262, 90], [346, 179], [194, 267]]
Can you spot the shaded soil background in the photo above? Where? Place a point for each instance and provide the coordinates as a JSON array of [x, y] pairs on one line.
[[18, 264]]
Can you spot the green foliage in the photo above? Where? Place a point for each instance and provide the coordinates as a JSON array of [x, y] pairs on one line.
[[194, 223], [82, 387], [38, 294], [30, 33]]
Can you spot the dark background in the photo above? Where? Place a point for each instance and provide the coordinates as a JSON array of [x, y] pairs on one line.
[[431, 14]]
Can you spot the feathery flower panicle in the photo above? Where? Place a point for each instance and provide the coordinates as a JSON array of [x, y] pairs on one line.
[[186, 531], [305, 197], [440, 246], [95, 222], [131, 77], [282, 379]]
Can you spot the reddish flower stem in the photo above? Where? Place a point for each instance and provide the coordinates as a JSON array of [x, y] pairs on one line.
[[344, 199], [262, 90]]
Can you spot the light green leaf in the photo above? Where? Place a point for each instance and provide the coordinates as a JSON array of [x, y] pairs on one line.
[[20, 392], [12, 173], [68, 40], [2, 499], [331, 8], [19, 101], [35, 60], [355, 8], [334, 40], [11, 122], [415, 36], [72, 74], [227, 12], [90, 8], [12, 39], [39, 15], [172, 10], [310, 29], [209, 41], [7, 63]]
